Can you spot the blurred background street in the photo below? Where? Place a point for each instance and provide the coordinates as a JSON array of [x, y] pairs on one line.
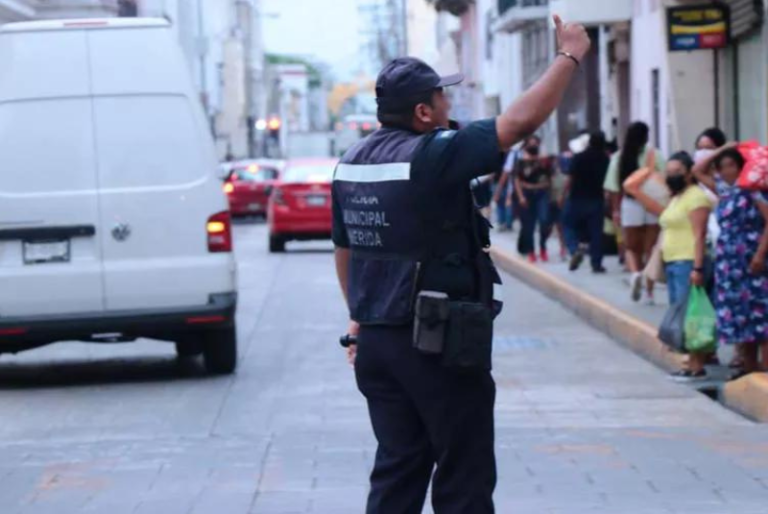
[[169, 309]]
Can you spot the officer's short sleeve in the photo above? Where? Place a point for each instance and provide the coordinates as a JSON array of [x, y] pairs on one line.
[[470, 152], [338, 232]]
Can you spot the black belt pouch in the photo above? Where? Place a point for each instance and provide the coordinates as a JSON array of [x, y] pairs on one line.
[[468, 338]]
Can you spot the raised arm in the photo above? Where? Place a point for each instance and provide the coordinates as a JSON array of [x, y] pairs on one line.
[[533, 108], [701, 168], [634, 186]]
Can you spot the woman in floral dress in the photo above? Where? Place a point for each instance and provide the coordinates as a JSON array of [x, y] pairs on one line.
[[741, 258]]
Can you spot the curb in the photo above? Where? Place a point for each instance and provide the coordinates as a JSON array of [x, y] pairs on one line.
[[748, 396], [636, 335]]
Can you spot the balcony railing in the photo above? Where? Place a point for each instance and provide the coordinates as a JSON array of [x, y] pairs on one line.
[[505, 5]]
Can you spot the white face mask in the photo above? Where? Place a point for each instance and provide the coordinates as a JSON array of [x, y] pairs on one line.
[[702, 154]]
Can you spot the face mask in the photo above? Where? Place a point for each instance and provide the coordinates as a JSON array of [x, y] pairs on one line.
[[676, 183], [533, 150], [702, 154]]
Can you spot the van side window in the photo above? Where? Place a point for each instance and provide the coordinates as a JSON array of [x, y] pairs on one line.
[[147, 140]]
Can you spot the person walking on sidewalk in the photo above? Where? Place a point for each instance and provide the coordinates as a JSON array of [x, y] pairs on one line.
[[741, 258], [410, 254], [533, 184], [640, 228], [684, 234], [584, 212], [506, 208]]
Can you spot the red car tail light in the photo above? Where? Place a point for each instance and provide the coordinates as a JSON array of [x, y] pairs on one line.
[[219, 229]]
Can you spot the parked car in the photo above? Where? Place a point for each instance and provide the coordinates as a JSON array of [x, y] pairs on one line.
[[300, 205], [113, 224], [249, 185], [352, 129]]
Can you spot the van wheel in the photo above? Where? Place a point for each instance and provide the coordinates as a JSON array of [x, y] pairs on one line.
[[276, 244], [220, 351]]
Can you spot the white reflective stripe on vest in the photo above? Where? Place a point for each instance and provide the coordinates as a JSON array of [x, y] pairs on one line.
[[373, 172], [498, 292]]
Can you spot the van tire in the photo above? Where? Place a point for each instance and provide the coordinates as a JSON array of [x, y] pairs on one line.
[[220, 351], [276, 244]]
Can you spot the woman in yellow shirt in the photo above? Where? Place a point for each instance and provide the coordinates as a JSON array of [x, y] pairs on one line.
[[684, 225]]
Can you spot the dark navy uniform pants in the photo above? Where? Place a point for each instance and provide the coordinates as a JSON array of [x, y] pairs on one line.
[[425, 418]]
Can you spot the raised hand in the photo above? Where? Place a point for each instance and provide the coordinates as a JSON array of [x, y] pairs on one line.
[[572, 38]]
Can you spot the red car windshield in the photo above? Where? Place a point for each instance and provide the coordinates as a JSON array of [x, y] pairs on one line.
[[262, 175], [310, 173]]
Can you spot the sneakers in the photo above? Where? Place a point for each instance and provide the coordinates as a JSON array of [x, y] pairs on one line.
[[686, 375], [532, 258], [544, 256], [650, 300], [599, 271], [563, 254], [636, 286], [576, 260]]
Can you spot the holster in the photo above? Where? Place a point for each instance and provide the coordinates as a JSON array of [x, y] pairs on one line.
[[469, 338], [432, 312]]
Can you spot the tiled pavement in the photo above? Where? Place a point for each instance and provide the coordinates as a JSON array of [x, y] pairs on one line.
[[583, 426]]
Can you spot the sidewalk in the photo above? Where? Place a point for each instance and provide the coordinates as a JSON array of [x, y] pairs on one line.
[[604, 301]]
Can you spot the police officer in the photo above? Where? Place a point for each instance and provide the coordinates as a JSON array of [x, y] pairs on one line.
[[411, 261]]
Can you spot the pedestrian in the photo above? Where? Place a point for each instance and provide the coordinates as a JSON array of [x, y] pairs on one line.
[[683, 244], [504, 194], [533, 184], [555, 219], [741, 258], [640, 228], [584, 212], [410, 257]]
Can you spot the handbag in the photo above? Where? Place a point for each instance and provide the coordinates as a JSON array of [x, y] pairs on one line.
[[655, 269], [650, 182], [672, 328]]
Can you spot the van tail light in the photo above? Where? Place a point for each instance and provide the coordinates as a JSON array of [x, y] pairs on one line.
[[229, 187], [278, 196], [205, 320], [13, 331], [219, 229]]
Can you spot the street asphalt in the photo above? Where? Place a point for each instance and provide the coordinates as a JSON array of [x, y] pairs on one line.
[[583, 425]]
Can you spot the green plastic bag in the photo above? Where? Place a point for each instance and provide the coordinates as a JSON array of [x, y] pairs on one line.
[[700, 323]]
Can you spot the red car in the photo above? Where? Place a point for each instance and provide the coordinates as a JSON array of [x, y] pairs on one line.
[[249, 185], [300, 205]]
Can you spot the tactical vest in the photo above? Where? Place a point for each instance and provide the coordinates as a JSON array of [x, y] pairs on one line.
[[407, 233]]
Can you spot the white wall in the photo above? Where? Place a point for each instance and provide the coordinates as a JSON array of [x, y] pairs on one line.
[[501, 75], [592, 12], [649, 53], [687, 80], [422, 31]]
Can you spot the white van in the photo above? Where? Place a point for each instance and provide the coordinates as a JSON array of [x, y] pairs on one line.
[[113, 224]]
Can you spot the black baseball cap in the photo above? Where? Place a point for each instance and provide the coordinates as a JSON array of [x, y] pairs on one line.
[[404, 79]]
